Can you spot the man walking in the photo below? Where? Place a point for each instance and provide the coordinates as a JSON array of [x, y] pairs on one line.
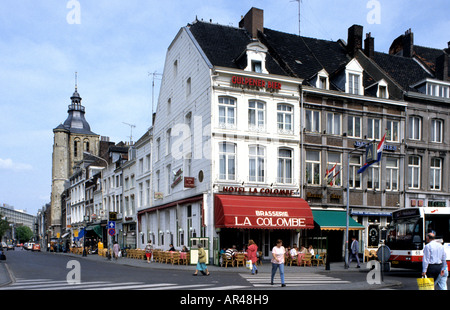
[[434, 258], [354, 252]]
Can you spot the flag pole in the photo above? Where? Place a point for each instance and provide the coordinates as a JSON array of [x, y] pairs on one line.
[[348, 199]]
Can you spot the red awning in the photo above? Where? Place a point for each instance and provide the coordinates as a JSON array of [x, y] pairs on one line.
[[239, 211]]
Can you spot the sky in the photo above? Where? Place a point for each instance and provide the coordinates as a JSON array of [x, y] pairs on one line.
[[118, 49]]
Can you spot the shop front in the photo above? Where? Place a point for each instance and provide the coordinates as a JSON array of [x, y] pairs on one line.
[[265, 219]]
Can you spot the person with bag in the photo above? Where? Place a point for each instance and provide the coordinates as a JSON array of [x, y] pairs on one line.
[[116, 250], [278, 254], [252, 257], [148, 251], [201, 263], [434, 257]]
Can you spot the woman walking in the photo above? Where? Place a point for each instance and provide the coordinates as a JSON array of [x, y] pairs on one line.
[[148, 251], [201, 264], [278, 254], [252, 251]]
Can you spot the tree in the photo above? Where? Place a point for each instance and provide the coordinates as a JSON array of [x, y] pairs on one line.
[[24, 233], [4, 226]]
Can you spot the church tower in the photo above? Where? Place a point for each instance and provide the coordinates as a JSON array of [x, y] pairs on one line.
[[71, 139]]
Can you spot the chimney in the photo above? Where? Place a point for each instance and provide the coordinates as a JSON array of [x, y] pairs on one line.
[[369, 45], [408, 44], [442, 70], [354, 41], [253, 21]]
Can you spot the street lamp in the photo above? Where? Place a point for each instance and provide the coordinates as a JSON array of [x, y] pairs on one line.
[[348, 199]]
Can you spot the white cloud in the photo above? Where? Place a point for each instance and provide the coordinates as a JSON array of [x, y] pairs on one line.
[[9, 164]]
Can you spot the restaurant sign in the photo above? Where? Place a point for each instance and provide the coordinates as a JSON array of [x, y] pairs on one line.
[[270, 219]]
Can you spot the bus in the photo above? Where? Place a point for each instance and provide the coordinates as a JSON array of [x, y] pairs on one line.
[[407, 232]]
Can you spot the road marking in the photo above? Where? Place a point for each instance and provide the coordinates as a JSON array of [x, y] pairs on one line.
[[263, 280]]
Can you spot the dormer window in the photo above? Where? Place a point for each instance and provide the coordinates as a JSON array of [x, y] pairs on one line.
[[256, 57], [382, 91], [322, 81], [256, 66], [354, 80]]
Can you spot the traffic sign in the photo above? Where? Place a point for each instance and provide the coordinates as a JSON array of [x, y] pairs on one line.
[[111, 224], [111, 231]]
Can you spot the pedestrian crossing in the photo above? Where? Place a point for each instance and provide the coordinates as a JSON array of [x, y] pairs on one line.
[[48, 284], [296, 279]]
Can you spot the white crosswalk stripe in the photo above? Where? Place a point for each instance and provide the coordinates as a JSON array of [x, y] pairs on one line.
[[263, 280], [48, 284]]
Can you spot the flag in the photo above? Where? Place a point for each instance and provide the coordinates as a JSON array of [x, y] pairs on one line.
[[379, 152], [334, 177], [328, 173]]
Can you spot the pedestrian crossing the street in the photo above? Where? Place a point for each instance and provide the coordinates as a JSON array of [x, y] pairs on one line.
[[48, 284], [293, 279]]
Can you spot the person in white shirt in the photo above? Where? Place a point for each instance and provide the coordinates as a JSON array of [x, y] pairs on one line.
[[278, 253], [434, 258]]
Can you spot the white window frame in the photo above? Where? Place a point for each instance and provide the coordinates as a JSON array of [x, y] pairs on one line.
[[435, 180], [313, 165], [285, 118], [372, 132], [352, 126], [225, 157], [256, 160], [337, 173], [332, 127], [312, 120], [285, 166], [227, 105], [393, 131], [437, 125], [374, 170], [414, 133], [355, 177], [414, 163], [256, 115], [354, 83], [392, 174]]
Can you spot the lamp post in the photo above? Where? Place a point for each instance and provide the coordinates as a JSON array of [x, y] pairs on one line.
[[348, 199]]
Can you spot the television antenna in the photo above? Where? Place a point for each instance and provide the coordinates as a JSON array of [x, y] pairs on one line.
[[154, 75], [131, 133], [299, 5]]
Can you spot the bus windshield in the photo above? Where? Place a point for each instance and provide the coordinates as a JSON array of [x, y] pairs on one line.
[[405, 234]]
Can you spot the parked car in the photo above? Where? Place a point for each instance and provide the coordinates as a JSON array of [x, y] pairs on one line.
[[36, 247], [10, 247], [30, 245]]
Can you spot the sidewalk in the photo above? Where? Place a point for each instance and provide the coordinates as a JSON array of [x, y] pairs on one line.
[[265, 268]]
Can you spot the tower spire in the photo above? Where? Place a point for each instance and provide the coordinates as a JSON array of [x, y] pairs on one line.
[[76, 81]]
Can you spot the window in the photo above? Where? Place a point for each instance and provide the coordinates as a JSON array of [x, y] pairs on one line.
[[334, 177], [313, 167], [227, 161], [436, 130], [392, 133], [354, 126], [158, 149], [355, 177], [382, 91], [435, 173], [169, 177], [76, 143], [414, 172], [373, 176], [284, 166], [392, 174], [227, 110], [437, 90], [175, 68], [323, 82], [284, 118], [256, 66], [157, 189], [333, 123], [373, 128], [256, 115], [414, 127], [353, 83], [312, 121], [256, 163], [168, 141], [188, 86]]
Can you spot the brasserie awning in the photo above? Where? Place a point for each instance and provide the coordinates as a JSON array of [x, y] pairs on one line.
[[264, 212], [334, 220]]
